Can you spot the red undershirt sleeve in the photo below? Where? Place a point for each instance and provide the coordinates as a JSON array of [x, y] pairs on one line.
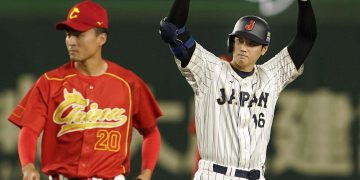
[[150, 148], [27, 145]]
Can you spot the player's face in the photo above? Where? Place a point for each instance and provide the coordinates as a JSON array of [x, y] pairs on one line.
[[246, 53], [84, 45]]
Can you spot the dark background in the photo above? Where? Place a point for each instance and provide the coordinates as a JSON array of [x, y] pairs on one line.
[[30, 45]]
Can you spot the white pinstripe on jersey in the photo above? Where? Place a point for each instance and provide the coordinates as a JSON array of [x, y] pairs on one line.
[[233, 114]]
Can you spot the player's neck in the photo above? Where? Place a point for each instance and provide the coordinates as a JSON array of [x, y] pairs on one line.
[[92, 67], [246, 69], [242, 74]]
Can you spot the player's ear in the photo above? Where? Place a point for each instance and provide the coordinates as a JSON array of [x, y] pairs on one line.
[[264, 49], [102, 38]]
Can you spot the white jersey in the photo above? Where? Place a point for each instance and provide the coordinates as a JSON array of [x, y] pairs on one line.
[[233, 114]]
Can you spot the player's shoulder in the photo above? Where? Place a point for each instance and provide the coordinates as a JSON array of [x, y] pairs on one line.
[[122, 72], [60, 72]]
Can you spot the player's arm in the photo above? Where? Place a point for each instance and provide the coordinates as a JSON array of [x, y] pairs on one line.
[[27, 152], [305, 37], [150, 152], [30, 116], [146, 111], [173, 31]]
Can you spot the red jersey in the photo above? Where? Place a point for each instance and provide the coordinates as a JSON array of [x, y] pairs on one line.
[[87, 120]]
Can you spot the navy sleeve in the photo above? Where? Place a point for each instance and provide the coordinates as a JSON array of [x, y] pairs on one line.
[[303, 42], [178, 16]]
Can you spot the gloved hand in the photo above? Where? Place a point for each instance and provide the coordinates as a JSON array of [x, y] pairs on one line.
[[169, 32]]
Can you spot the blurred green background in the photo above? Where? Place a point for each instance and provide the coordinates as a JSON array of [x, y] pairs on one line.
[[316, 127]]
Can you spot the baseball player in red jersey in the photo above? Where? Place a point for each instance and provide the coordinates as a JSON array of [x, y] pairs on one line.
[[86, 110], [235, 102]]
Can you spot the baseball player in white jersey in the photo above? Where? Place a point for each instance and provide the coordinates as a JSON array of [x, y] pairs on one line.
[[235, 102]]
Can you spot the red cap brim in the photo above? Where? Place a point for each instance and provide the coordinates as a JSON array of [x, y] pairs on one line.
[[73, 25]]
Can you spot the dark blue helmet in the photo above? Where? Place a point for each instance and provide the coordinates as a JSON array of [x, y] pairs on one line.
[[250, 27]]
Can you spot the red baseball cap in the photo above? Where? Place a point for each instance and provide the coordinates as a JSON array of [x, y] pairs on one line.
[[84, 16]]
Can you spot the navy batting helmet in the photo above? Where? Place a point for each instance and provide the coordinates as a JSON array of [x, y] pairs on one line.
[[251, 27]]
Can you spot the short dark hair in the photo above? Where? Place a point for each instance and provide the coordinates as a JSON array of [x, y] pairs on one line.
[[99, 31]]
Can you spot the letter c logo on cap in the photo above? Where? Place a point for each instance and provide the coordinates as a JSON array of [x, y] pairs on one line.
[[74, 13]]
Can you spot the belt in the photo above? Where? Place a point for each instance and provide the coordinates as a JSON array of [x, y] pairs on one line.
[[251, 175], [61, 177]]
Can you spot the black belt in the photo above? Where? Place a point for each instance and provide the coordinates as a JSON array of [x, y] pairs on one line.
[[251, 175]]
